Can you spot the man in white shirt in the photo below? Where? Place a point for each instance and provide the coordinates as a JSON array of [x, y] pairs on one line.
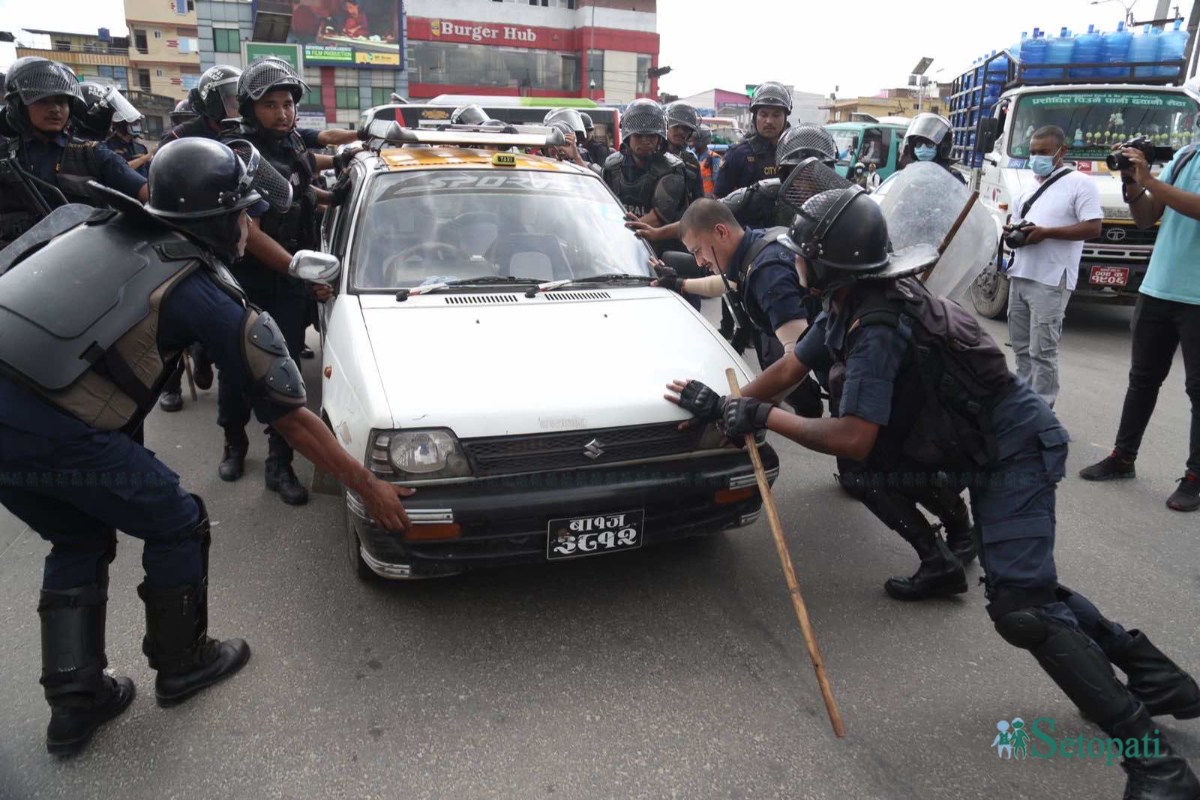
[[1044, 270]]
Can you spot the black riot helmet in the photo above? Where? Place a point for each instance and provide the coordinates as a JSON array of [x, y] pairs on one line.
[[201, 186], [104, 106], [843, 237], [31, 79], [680, 113], [805, 141], [183, 112], [932, 128], [702, 138], [588, 125], [572, 118], [643, 116], [468, 115], [215, 96], [771, 94], [264, 75]]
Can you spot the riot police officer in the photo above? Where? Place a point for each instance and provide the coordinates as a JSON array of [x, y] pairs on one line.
[[268, 92], [929, 138], [651, 184], [682, 122], [212, 101], [571, 123], [470, 114], [45, 166], [598, 149], [72, 472], [753, 159], [888, 336], [102, 106], [182, 113], [759, 205]]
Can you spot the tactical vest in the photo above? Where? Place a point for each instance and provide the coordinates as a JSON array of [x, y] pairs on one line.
[[100, 363], [638, 195], [691, 166], [77, 165], [761, 161], [754, 312], [759, 206], [952, 378]]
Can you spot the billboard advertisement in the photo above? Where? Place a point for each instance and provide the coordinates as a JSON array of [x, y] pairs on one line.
[[288, 52], [349, 33]]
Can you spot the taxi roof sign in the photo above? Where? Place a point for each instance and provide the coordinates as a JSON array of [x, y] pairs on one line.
[[383, 132], [504, 160]]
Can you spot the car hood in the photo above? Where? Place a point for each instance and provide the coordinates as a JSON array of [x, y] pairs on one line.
[[533, 365]]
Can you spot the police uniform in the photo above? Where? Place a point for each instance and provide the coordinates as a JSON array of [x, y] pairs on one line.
[[197, 126], [129, 151], [68, 163], [659, 185], [758, 206], [746, 163]]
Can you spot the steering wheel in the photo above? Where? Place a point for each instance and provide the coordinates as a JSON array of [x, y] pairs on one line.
[[432, 248]]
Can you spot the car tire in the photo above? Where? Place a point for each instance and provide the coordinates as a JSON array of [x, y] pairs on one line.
[[354, 552], [989, 293]]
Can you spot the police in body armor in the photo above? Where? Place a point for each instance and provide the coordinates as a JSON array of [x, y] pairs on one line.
[[268, 92], [570, 122], [598, 149], [102, 106], [143, 284], [183, 112], [212, 101], [651, 184], [682, 122], [46, 166], [941, 400], [928, 138], [753, 159]]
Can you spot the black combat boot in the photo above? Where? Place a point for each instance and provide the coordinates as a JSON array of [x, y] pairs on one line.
[[1156, 680], [81, 696], [940, 573], [948, 506], [279, 475], [1078, 666], [177, 641], [233, 461]]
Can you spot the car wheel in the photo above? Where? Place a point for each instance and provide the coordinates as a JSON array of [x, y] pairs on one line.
[[353, 550], [989, 293]]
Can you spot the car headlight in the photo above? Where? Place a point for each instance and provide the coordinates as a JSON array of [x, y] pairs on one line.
[[418, 454]]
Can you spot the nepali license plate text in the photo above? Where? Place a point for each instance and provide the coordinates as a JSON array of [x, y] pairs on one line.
[[574, 537], [1109, 276]]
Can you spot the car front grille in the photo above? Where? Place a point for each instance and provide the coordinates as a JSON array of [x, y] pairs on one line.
[[506, 455], [1124, 236]]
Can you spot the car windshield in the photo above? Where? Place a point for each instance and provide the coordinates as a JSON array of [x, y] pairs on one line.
[[440, 226], [1094, 121]]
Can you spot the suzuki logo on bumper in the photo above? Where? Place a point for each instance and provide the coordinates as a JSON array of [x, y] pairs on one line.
[[1115, 235], [593, 450]]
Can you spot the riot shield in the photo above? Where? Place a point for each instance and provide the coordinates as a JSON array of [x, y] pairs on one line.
[[920, 205]]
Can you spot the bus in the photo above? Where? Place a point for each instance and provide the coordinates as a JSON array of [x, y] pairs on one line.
[[880, 142], [511, 109]]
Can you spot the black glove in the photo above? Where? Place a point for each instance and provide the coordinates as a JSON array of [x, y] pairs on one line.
[[343, 159], [703, 402], [742, 415], [668, 278]]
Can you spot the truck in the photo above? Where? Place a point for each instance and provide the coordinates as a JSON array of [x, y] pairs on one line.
[[995, 108]]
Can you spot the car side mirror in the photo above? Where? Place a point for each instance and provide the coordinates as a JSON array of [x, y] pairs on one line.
[[985, 139], [314, 267]]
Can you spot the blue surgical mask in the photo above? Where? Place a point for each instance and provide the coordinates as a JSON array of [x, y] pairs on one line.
[[1041, 165], [925, 152]]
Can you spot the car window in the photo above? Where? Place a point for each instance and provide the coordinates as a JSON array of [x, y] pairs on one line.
[[443, 225]]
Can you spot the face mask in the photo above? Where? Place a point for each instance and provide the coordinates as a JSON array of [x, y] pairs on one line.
[[1041, 165], [925, 152]]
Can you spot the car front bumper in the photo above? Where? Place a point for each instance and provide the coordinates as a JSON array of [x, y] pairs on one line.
[[505, 520]]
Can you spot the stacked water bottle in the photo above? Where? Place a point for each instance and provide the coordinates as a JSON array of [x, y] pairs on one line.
[[1118, 47]]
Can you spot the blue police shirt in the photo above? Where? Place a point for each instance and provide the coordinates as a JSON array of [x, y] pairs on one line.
[[773, 283], [43, 157], [309, 137], [129, 151], [1172, 272], [742, 166]]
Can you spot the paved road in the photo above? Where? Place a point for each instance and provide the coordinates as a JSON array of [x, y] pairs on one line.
[[671, 672]]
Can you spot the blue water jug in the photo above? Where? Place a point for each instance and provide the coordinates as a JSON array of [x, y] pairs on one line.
[[1087, 51], [1114, 49], [997, 70], [1035, 52], [1060, 50], [1144, 47], [1171, 48]]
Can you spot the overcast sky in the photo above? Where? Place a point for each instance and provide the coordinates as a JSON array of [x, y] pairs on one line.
[[860, 47]]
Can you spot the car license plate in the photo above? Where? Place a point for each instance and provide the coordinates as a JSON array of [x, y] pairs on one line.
[[575, 537], [1109, 276]]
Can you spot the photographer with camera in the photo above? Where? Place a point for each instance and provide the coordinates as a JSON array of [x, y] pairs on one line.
[[1052, 218], [1167, 314]]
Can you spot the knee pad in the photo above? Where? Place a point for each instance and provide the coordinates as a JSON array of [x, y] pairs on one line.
[[1025, 628]]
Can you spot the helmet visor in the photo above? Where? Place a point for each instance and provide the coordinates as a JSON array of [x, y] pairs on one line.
[[123, 110], [927, 126], [227, 91]]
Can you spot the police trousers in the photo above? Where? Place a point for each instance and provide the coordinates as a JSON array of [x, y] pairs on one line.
[[78, 488]]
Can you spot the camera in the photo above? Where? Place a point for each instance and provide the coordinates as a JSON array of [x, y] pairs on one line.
[[1016, 236], [1154, 154]]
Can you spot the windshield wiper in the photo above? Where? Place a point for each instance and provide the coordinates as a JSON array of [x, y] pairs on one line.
[[429, 288], [612, 277]]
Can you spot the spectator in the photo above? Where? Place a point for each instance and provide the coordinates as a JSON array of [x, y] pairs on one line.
[[873, 179]]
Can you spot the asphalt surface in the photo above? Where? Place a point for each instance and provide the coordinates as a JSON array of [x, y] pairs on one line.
[[669, 672]]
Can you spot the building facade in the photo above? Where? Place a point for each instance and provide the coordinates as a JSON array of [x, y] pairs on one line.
[[99, 57], [164, 56], [888, 103], [357, 55]]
